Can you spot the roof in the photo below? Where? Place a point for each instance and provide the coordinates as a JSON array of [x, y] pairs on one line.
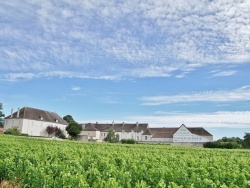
[[39, 115], [199, 131], [117, 127], [168, 132]]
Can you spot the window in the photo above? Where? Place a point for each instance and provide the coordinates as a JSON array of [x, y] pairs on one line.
[[103, 134], [146, 137]]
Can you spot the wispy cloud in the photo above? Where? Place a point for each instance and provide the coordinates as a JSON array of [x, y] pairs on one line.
[[76, 88], [240, 94], [240, 119], [224, 73], [101, 39]]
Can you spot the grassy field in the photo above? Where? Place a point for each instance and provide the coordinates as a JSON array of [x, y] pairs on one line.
[[36, 163]]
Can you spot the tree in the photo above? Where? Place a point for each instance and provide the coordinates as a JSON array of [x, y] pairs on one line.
[[1, 115], [246, 141], [232, 139], [73, 129], [111, 137], [68, 118]]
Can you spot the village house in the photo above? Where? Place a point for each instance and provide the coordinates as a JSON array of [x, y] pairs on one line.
[[142, 133], [33, 121], [180, 134], [98, 131]]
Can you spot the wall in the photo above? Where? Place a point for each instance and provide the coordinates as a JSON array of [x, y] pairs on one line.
[[93, 134], [32, 127], [184, 135]]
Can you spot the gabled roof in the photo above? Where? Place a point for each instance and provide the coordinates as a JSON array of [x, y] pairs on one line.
[[117, 127], [38, 115], [168, 132]]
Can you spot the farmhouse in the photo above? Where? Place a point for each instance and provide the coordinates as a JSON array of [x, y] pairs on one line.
[[97, 132], [142, 133], [180, 134], [33, 121]]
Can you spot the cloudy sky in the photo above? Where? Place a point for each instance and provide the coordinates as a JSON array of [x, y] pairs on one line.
[[155, 61]]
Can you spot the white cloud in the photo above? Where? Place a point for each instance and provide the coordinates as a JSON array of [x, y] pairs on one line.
[[240, 94], [152, 38], [76, 88], [225, 73], [217, 119]]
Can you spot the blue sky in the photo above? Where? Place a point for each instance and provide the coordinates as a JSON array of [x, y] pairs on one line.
[[159, 62]]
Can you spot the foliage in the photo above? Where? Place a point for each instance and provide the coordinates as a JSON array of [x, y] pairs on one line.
[[225, 145], [50, 129], [1, 115], [55, 131], [246, 141], [48, 163], [74, 129], [128, 141], [68, 118], [232, 139], [13, 131], [111, 137]]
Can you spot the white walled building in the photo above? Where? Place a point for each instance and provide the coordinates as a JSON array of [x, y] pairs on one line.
[[142, 133], [180, 134], [34, 122], [97, 131]]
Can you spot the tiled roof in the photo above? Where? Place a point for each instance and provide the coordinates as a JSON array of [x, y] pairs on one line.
[[199, 131], [39, 115], [168, 132], [118, 127]]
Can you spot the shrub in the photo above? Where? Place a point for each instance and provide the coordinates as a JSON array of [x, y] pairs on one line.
[[13, 131], [128, 141], [62, 136], [225, 145]]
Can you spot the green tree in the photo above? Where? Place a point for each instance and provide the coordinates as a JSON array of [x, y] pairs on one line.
[[111, 137], [68, 118], [246, 141], [1, 115], [73, 129]]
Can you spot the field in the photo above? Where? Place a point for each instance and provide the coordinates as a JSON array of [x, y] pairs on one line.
[[37, 163]]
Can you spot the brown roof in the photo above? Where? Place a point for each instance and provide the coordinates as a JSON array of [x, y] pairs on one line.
[[118, 127], [168, 132], [162, 135], [199, 131], [39, 115]]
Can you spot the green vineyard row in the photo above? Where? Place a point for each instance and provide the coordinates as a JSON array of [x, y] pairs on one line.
[[42, 163]]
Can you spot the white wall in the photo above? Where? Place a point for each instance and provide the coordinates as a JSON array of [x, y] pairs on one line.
[[184, 135], [32, 127], [162, 139], [93, 134]]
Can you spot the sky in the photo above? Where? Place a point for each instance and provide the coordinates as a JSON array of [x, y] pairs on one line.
[[161, 62]]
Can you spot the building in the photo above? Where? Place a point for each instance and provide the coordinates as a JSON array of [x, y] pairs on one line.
[[33, 121], [180, 134], [142, 133], [97, 132]]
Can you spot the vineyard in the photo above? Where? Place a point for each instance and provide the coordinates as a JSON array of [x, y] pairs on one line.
[[39, 163]]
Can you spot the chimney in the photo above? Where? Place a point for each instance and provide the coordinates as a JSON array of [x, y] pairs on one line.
[[18, 112], [11, 113]]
